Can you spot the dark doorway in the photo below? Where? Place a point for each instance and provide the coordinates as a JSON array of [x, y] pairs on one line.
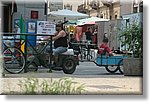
[[7, 13], [6, 18]]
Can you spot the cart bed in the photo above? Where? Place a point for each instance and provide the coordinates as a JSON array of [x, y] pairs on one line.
[[103, 60]]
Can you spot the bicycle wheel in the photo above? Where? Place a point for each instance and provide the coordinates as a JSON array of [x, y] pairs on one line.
[[14, 60]]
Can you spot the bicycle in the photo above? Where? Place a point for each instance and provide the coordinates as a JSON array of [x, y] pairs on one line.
[[15, 60]]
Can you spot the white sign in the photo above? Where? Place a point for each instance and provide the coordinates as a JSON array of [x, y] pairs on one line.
[[46, 27], [31, 27]]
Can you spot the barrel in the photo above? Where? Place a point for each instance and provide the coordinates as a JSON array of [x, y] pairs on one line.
[[31, 40]]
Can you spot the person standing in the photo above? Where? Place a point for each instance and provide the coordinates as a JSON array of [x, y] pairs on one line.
[[95, 37], [88, 34]]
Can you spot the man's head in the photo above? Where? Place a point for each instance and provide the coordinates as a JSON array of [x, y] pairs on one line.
[[58, 27]]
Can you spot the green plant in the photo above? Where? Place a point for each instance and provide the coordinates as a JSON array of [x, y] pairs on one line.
[[29, 85], [62, 86], [132, 37]]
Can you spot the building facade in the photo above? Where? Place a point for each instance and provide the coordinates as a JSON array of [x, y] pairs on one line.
[[110, 9], [30, 11], [54, 5], [72, 4]]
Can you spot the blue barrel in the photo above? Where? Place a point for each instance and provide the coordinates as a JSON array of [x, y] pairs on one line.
[[31, 29], [32, 40]]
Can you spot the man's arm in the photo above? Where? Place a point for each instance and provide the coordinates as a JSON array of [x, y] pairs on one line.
[[59, 35], [49, 38]]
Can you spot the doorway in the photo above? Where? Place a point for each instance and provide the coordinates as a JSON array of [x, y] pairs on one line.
[[8, 8]]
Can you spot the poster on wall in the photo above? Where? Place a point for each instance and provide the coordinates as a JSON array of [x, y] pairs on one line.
[[31, 27], [16, 23], [16, 26], [17, 29], [46, 27]]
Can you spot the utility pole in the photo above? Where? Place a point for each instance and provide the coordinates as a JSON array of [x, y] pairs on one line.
[[45, 8]]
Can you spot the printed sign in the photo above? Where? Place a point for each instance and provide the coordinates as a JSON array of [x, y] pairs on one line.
[[31, 27], [46, 27]]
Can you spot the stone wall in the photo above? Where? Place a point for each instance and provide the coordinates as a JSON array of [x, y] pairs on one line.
[[133, 66]]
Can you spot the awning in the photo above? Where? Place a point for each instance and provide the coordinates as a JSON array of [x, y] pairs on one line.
[[68, 14], [91, 20]]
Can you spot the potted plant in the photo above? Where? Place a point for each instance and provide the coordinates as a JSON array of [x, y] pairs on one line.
[[132, 38]]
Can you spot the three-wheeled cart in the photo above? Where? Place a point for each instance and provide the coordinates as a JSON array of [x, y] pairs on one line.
[[111, 63]]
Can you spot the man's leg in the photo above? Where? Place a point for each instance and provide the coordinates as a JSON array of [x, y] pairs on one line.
[[58, 51]]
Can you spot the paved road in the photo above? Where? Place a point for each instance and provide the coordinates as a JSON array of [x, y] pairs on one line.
[[96, 79], [84, 70]]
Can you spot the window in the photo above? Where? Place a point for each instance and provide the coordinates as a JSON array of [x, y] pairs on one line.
[[101, 16], [135, 9], [110, 17], [34, 14], [115, 16], [141, 7]]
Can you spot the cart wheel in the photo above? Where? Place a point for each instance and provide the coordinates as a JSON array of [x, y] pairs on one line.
[[120, 66], [111, 69], [69, 66], [32, 66]]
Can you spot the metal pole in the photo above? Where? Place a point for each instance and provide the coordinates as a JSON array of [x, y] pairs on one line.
[[46, 3], [25, 53], [51, 52]]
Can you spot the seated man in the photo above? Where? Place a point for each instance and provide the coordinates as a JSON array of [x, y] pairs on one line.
[[60, 42], [103, 48]]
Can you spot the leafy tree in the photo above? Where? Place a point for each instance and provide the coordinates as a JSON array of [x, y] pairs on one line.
[[133, 38]]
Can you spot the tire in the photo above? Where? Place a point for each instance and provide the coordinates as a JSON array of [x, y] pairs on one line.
[[111, 69], [69, 66], [120, 67], [14, 60]]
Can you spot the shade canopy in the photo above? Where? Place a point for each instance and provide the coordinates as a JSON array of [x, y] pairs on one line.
[[68, 14], [91, 20]]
